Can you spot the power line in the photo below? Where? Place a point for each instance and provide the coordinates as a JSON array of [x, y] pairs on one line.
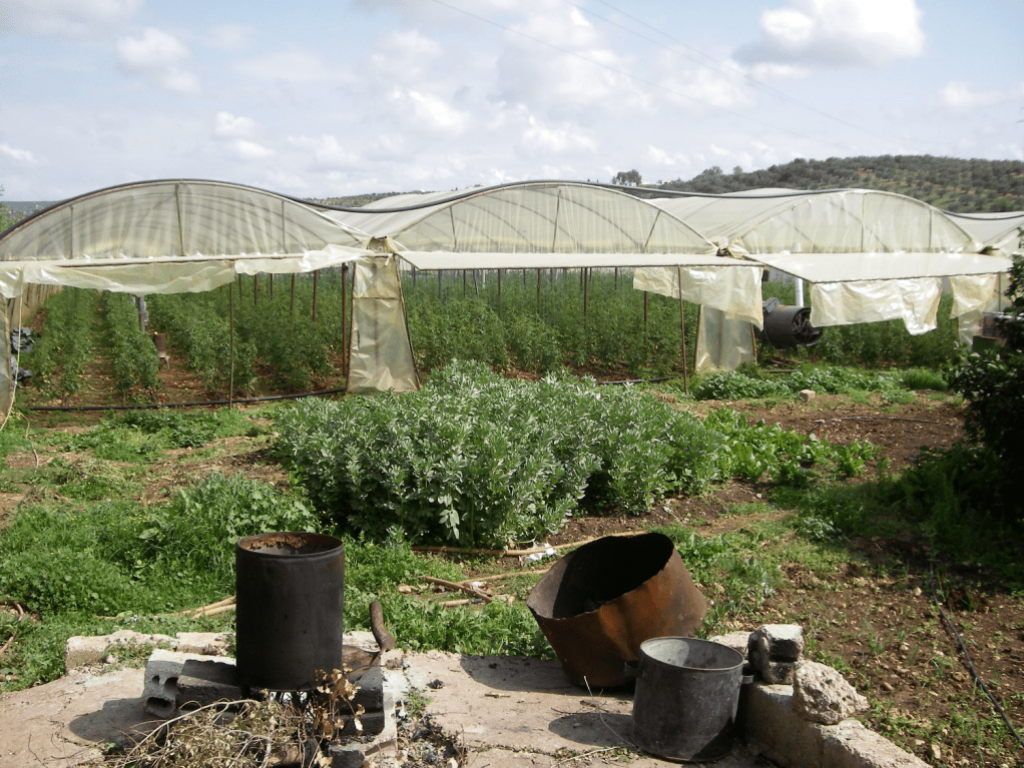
[[719, 66], [624, 73]]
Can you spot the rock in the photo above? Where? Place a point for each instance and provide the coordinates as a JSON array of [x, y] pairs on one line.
[[780, 642], [807, 394], [738, 641], [822, 695], [79, 651]]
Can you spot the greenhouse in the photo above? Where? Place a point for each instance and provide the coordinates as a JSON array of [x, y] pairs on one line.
[[867, 255]]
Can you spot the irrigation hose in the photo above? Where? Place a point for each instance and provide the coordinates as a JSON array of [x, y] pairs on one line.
[[967, 656], [197, 404]]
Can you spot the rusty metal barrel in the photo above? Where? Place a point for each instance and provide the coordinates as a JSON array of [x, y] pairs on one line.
[[290, 595], [599, 603]]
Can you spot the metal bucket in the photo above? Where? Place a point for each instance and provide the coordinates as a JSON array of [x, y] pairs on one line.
[[598, 604], [687, 694], [290, 594]]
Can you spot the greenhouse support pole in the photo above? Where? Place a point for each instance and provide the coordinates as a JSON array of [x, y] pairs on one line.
[[538, 293], [231, 344], [799, 285], [645, 316], [682, 329], [292, 307], [271, 285], [499, 291], [344, 317], [316, 274], [586, 283], [255, 290], [463, 283], [616, 278], [439, 273]]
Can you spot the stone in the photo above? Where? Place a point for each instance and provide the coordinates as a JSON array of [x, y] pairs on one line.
[[807, 394], [822, 695], [780, 642], [738, 641]]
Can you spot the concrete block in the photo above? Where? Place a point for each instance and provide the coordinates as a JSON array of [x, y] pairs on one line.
[[767, 721], [80, 651], [778, 642], [850, 745], [370, 695], [205, 682], [205, 643], [160, 688], [346, 756]]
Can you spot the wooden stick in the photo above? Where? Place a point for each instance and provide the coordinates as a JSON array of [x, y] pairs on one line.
[[461, 588], [212, 611], [218, 604], [515, 552], [509, 575]]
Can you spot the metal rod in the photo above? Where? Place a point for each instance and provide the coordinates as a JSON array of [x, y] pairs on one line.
[[344, 317], [645, 316], [682, 329], [271, 285], [316, 274], [231, 343], [292, 307], [538, 293], [255, 290], [586, 284]]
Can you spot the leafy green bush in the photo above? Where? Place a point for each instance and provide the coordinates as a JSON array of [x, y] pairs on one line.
[[737, 385], [474, 457]]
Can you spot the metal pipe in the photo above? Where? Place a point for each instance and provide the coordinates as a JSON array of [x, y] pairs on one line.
[[682, 329]]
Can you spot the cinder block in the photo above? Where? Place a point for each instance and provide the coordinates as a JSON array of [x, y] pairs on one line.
[[164, 668], [205, 682], [370, 695]]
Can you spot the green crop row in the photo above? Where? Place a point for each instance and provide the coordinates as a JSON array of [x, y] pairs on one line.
[[133, 355], [62, 353], [481, 460], [197, 328]]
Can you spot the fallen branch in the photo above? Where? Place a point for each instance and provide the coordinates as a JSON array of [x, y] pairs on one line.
[[458, 587], [502, 576], [515, 552], [209, 610]]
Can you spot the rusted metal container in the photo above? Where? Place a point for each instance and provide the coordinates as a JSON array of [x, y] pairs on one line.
[[598, 604], [687, 695], [290, 595]]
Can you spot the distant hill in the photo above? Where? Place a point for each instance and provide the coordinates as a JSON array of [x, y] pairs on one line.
[[964, 186], [25, 207], [352, 201]]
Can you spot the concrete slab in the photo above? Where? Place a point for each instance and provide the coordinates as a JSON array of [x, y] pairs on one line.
[[59, 724], [513, 712]]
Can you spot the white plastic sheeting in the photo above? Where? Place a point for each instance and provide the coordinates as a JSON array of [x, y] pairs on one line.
[[553, 218], [734, 291], [722, 343], [998, 231], [837, 267], [380, 351], [916, 302], [840, 221], [434, 260]]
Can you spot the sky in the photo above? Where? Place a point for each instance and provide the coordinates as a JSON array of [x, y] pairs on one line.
[[319, 99]]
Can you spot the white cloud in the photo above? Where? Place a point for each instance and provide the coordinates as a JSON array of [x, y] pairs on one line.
[[230, 126], [67, 18], [541, 140], [431, 112], [250, 150], [961, 97], [293, 67], [838, 33], [158, 55], [20, 155]]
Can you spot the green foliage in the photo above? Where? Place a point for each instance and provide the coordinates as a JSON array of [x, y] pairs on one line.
[[133, 354], [952, 183], [751, 382], [750, 451], [108, 557], [194, 325], [536, 322], [480, 459], [62, 353], [992, 384]]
